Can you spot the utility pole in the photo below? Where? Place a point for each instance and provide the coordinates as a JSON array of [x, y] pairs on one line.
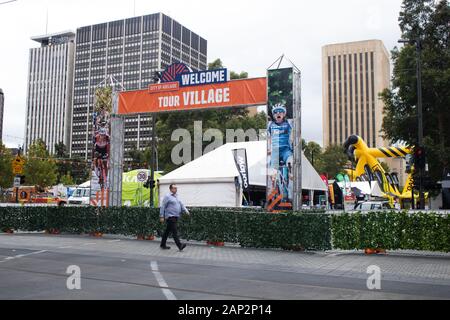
[[156, 79], [420, 116], [152, 169]]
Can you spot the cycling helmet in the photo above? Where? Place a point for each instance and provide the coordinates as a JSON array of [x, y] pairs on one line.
[[102, 132], [278, 108]]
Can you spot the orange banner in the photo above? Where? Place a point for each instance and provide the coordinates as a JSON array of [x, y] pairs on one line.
[[235, 93]]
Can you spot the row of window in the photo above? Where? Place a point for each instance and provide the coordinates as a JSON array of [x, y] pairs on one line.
[[347, 83]]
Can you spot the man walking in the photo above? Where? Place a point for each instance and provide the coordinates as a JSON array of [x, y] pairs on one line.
[[171, 209]]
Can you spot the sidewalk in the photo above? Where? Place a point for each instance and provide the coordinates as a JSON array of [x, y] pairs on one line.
[[419, 267]]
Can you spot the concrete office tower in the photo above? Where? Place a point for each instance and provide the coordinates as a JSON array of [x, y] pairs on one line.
[[353, 74], [50, 87], [2, 102], [130, 50]]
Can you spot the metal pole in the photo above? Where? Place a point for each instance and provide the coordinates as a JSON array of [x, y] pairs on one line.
[[420, 116], [152, 169], [17, 193]]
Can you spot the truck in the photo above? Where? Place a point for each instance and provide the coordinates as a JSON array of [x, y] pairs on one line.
[[31, 194]]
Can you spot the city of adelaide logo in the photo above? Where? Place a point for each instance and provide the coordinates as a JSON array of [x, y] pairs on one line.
[[174, 89]]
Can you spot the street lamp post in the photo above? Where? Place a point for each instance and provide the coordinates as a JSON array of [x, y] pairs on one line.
[[418, 43]]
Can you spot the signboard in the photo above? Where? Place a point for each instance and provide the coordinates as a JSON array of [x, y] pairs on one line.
[[16, 182], [133, 194], [240, 158], [167, 97], [142, 176], [101, 144], [280, 135]]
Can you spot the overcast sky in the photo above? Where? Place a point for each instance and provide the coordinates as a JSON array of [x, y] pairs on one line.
[[248, 35]]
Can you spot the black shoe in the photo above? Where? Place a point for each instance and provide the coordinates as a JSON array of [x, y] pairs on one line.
[[182, 246], [165, 247]]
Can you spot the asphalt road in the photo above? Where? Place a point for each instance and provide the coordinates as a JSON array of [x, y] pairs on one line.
[[34, 266]]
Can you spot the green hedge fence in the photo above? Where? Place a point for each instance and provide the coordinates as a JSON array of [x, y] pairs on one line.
[[306, 230]]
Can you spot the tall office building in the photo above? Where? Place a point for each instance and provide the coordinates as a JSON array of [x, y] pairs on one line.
[[353, 74], [2, 101], [50, 87], [130, 50]]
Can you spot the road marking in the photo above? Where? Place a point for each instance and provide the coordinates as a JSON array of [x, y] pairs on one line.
[[67, 247], [162, 283], [89, 244], [113, 240], [22, 255]]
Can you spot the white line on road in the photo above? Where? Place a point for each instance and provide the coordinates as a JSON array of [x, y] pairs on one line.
[[113, 240], [23, 255], [67, 247], [162, 283], [89, 244]]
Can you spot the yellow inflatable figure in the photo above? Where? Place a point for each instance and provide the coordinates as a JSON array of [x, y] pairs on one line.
[[369, 168]]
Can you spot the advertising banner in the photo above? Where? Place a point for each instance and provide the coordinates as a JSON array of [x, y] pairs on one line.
[[134, 194], [240, 158], [193, 94], [101, 145], [280, 136]]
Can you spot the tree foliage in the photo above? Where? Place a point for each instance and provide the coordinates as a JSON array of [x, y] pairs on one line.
[[331, 161], [139, 158], [64, 167], [428, 21], [6, 174]]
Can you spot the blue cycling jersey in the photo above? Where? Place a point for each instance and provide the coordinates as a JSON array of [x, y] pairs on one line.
[[280, 134]]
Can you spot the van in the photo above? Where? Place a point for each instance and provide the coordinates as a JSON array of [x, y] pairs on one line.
[[81, 196], [373, 205]]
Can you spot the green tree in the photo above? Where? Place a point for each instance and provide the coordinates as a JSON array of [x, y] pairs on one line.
[[313, 152], [139, 158], [67, 180], [6, 176], [428, 21], [40, 168], [332, 160], [222, 119], [64, 165], [80, 169]]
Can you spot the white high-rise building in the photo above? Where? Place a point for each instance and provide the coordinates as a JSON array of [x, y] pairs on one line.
[[2, 100], [50, 90], [130, 50]]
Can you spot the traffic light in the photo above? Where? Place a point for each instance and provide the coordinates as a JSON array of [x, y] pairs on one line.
[[149, 183], [419, 157]]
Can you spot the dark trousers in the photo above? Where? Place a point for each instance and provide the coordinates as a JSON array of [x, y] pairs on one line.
[[171, 227]]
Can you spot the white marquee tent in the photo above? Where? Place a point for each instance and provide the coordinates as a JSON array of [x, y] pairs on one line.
[[210, 180]]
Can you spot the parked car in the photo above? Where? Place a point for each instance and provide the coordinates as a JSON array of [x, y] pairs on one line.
[[373, 205]]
